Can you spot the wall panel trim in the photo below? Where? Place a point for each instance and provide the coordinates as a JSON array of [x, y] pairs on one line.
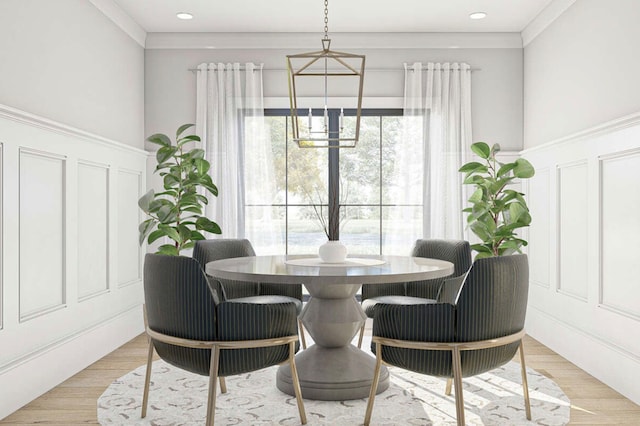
[[34, 120], [592, 132]]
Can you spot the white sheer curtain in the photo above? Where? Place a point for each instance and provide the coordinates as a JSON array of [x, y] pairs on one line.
[[230, 121], [437, 128]]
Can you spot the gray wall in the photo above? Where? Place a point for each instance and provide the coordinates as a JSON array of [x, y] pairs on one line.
[[583, 70], [64, 60], [496, 86]]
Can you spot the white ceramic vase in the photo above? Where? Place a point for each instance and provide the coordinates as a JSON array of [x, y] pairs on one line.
[[332, 252]]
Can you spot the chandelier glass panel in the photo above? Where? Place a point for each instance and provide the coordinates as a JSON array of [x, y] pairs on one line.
[[340, 75]]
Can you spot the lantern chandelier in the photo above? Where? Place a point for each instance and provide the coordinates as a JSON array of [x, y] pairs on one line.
[[305, 71]]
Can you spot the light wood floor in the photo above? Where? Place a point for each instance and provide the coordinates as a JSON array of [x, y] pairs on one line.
[[74, 401]]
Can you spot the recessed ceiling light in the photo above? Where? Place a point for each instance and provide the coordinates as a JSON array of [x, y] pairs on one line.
[[478, 15], [184, 15]]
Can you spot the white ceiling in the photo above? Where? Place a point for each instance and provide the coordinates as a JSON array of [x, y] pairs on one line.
[[344, 15]]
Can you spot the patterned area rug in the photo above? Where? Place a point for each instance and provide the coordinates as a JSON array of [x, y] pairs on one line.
[[177, 397]]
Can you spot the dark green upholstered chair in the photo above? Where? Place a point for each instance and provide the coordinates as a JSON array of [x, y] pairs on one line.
[[481, 330], [192, 328], [457, 252], [249, 292]]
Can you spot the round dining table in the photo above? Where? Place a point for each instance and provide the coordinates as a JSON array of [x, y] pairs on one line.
[[332, 369]]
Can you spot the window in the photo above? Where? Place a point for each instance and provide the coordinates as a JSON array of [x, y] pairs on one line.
[[374, 218]]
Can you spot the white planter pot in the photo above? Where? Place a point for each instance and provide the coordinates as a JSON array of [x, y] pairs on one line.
[[332, 252]]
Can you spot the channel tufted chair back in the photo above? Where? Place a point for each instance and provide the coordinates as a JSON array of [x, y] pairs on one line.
[[192, 327], [209, 250], [206, 251], [481, 330]]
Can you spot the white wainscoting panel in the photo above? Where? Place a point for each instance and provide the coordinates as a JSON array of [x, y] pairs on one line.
[[1, 233], [589, 313], [572, 229], [59, 302], [42, 236], [128, 220], [620, 230], [93, 229], [539, 241]]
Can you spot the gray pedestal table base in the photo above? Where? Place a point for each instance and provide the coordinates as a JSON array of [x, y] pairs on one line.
[[333, 369]]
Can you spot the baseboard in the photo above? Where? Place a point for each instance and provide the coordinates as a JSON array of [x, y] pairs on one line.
[[611, 365], [44, 370]]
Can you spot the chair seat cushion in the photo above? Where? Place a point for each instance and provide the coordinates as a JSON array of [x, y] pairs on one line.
[[369, 305], [267, 299]]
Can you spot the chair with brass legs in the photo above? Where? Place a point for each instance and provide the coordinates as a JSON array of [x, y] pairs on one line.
[[251, 292], [191, 328], [457, 252], [481, 331]]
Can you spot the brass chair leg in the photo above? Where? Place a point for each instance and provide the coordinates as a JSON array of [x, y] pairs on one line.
[[296, 383], [213, 381], [147, 380], [447, 389], [374, 384], [301, 328], [457, 381], [223, 385], [525, 385], [361, 336]]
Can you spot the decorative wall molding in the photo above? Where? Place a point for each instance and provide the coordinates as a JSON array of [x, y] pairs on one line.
[[1, 233], [119, 17], [347, 40], [587, 350], [592, 132], [571, 229], [34, 120], [544, 19], [50, 317], [590, 313], [41, 189], [619, 267]]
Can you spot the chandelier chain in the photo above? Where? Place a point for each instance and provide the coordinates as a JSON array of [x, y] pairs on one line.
[[326, 19]]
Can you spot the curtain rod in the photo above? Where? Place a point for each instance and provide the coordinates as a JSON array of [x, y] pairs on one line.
[[242, 68]]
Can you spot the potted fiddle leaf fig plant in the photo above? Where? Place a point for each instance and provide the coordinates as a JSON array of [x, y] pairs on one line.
[[496, 211], [177, 212]]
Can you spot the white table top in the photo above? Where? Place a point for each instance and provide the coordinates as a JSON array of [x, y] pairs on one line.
[[275, 269]]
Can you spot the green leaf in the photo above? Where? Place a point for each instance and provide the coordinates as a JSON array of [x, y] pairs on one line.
[[506, 169], [170, 181], [481, 149], [523, 169], [204, 224], [483, 255], [477, 196], [170, 232], [168, 249], [202, 166], [195, 154], [160, 139], [165, 153], [472, 167], [187, 139], [182, 128], [516, 211], [185, 232], [495, 149], [196, 236], [145, 201], [155, 235], [144, 229], [480, 248]]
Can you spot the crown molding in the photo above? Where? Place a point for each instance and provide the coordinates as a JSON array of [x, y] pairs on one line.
[[112, 11], [545, 18], [341, 40]]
